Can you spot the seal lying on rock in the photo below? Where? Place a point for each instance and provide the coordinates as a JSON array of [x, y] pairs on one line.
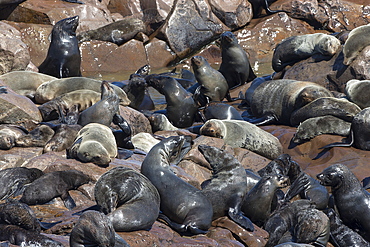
[[228, 186], [351, 199], [185, 207], [63, 58], [94, 143], [297, 48], [128, 198], [358, 91], [357, 40], [237, 133], [9, 134]]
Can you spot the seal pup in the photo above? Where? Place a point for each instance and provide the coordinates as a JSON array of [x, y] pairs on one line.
[[228, 186], [237, 133], [296, 48], [52, 185], [94, 143], [21, 237], [357, 91], [341, 235], [128, 198], [185, 208], [351, 199], [122, 136], [181, 108], [212, 84], [357, 40], [257, 202], [37, 137], [274, 101], [160, 122], [13, 179], [63, 138], [63, 58], [94, 229], [102, 111], [9, 134], [235, 66]]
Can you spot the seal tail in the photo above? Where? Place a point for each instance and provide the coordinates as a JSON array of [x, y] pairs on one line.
[[341, 144]]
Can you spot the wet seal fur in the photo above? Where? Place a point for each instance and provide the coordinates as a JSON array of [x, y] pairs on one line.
[[129, 199], [358, 91], [63, 58], [185, 208], [221, 111], [227, 187], [357, 40], [237, 133], [94, 143], [351, 199], [297, 48], [52, 185]]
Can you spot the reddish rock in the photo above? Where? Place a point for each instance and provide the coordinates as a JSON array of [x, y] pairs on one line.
[[198, 172], [223, 237], [137, 121], [17, 157], [159, 54]]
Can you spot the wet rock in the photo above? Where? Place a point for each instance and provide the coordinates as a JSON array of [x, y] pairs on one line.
[[137, 121], [13, 51], [234, 14], [260, 37], [15, 108]]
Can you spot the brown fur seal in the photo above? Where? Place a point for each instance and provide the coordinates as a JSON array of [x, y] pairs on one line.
[[9, 134], [357, 91], [129, 199], [228, 186], [274, 101], [297, 48], [351, 199], [102, 111], [38, 137], [221, 111], [63, 138], [235, 66], [52, 185], [237, 133], [357, 40], [63, 58], [94, 143], [185, 208]]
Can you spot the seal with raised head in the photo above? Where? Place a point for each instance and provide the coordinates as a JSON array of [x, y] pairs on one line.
[[212, 84], [228, 186], [63, 58], [237, 133], [185, 208], [235, 66], [351, 199], [13, 179], [136, 91], [128, 198], [297, 48], [52, 185], [357, 91], [357, 40], [181, 108], [274, 101], [94, 143], [257, 203]]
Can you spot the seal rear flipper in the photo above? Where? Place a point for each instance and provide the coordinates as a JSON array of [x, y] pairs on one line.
[[176, 226], [269, 119], [119, 241], [46, 225], [242, 220], [68, 200], [366, 183], [341, 144], [269, 11]]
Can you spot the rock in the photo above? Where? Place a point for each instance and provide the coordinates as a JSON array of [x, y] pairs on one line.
[[17, 157], [198, 172], [159, 54], [234, 14], [137, 121], [14, 54], [361, 65], [224, 237]]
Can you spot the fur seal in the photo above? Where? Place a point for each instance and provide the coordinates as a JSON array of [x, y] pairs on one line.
[[313, 127], [351, 199], [185, 207], [63, 138], [129, 199], [274, 101], [257, 203], [122, 136], [21, 237], [94, 229], [297, 48], [221, 111], [144, 141], [357, 91], [52, 185], [258, 5], [9, 134], [102, 111], [235, 66], [212, 84], [38, 137], [181, 108], [13, 179], [63, 58], [227, 187], [136, 91], [338, 107], [94, 143], [242, 134], [160, 122], [357, 40]]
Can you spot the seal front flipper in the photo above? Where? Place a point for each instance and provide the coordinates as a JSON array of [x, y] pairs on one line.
[[119, 241], [47, 225], [269, 119], [242, 220], [299, 185], [176, 226], [68, 200]]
